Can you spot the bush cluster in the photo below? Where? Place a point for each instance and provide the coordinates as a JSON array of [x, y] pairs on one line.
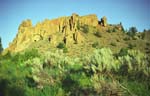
[[62, 45], [87, 29], [95, 44], [112, 30], [55, 74]]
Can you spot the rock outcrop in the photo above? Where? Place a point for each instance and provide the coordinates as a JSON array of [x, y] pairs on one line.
[[104, 21], [64, 29]]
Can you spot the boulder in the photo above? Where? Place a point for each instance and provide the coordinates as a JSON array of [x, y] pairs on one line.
[[104, 21]]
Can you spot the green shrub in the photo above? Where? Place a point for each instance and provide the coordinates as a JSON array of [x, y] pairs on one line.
[[98, 34], [143, 35], [88, 29], [69, 83], [8, 88], [95, 45], [147, 44], [1, 47], [102, 61], [61, 45], [97, 82], [60, 60], [137, 88], [29, 54], [135, 63], [84, 81], [131, 46], [65, 50], [130, 34], [132, 31], [96, 74], [6, 56], [123, 52], [24, 56], [113, 44], [85, 29], [35, 66], [51, 91], [104, 85], [114, 30], [139, 59], [126, 38]]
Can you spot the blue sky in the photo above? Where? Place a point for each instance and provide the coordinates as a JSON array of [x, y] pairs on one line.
[[13, 12]]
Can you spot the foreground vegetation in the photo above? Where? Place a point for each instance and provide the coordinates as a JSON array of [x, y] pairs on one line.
[[102, 73]]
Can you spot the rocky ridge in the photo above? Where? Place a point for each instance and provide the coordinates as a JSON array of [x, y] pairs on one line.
[[67, 27]]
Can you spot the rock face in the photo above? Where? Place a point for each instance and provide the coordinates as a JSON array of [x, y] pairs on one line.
[[104, 21], [64, 29]]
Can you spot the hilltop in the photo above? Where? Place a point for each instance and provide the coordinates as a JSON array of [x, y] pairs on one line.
[[75, 34]]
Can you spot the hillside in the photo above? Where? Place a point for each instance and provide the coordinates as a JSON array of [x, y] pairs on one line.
[[76, 56], [78, 33], [52, 32]]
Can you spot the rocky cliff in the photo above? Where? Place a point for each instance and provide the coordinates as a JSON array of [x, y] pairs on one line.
[[64, 29], [78, 34]]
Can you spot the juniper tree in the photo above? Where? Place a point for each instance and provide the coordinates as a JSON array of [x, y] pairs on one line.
[[1, 47]]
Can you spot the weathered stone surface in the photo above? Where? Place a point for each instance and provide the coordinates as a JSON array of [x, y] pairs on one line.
[[55, 30], [104, 21], [74, 21], [90, 20], [26, 23]]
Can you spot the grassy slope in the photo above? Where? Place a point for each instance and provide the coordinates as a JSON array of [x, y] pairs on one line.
[[114, 40], [21, 73]]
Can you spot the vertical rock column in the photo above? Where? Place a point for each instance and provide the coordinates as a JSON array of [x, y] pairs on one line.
[[73, 26], [104, 21]]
